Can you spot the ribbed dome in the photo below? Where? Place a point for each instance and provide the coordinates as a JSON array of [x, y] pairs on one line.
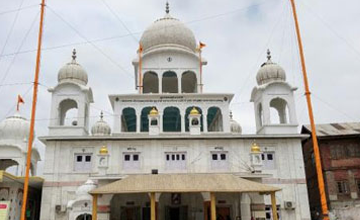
[[83, 191], [270, 72], [234, 125], [101, 128], [15, 127], [168, 31], [73, 72]]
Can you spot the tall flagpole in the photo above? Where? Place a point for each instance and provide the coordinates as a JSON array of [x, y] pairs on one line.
[[33, 110], [201, 85], [321, 185]]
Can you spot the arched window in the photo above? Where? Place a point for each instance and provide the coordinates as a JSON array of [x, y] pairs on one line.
[[10, 166], [187, 112], [144, 124], [279, 111], [150, 83], [171, 119], [260, 115], [170, 82], [84, 217], [128, 120], [214, 119], [68, 110], [188, 82]]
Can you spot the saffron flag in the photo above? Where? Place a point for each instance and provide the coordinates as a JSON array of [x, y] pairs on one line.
[[19, 101], [140, 48], [201, 45]]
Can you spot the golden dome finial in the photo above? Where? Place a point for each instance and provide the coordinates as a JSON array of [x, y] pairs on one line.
[[153, 112], [255, 148], [194, 111], [103, 150]]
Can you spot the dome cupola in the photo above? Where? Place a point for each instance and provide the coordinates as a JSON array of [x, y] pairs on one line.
[[73, 72], [83, 191], [168, 32], [270, 72], [234, 125], [15, 127], [101, 128]]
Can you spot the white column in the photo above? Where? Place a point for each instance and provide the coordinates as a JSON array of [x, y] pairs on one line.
[[160, 83], [183, 122], [179, 83], [161, 120], [205, 125], [138, 120]]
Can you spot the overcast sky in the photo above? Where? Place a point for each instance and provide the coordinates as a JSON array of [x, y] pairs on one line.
[[237, 34]]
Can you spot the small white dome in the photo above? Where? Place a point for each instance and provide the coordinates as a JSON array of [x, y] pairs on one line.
[[168, 31], [15, 127], [234, 125], [101, 128], [270, 72], [73, 72], [83, 191]]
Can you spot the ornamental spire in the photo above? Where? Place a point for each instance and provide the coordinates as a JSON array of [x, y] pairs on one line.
[[167, 8], [101, 115], [74, 55], [268, 55]]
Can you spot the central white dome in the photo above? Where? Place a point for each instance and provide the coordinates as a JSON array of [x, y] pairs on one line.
[[168, 31]]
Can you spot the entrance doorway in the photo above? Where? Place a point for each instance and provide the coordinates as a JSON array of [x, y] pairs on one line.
[[130, 213], [176, 213], [223, 213], [84, 217]]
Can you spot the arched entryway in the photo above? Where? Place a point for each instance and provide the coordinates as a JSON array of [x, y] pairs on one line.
[[170, 82], [84, 217], [171, 120]]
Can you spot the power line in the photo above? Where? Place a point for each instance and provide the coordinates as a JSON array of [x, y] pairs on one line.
[[350, 45], [19, 9], [256, 63], [11, 29], [334, 108], [21, 44], [135, 33], [121, 22], [15, 84], [94, 45]]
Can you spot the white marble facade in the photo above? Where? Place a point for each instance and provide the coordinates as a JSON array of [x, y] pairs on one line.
[[187, 132]]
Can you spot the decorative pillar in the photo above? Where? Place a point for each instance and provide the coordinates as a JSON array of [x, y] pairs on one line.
[[94, 207], [213, 206], [152, 206], [160, 84], [161, 121], [182, 123], [103, 160], [205, 125], [255, 158], [273, 206], [194, 122], [154, 122], [138, 120], [179, 84]]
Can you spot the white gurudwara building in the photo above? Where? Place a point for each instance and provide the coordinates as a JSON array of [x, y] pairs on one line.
[[173, 152], [14, 133]]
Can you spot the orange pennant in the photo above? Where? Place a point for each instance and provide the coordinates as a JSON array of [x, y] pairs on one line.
[[20, 100]]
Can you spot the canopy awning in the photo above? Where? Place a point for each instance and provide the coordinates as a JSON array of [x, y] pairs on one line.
[[183, 183]]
